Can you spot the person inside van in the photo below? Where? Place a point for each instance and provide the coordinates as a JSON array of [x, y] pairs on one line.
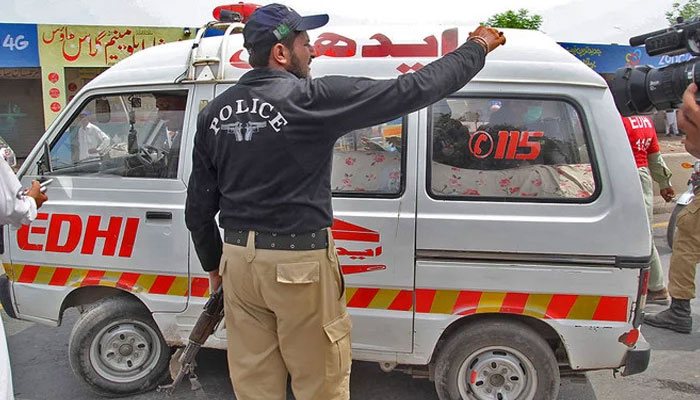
[[91, 140], [528, 115], [171, 110], [262, 161]]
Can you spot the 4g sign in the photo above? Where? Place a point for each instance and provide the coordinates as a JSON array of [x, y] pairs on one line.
[[18, 46], [511, 145]]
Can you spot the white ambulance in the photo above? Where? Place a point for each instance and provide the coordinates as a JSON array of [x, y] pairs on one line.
[[489, 241]]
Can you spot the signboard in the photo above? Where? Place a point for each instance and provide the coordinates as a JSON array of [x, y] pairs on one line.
[[18, 46], [606, 59], [66, 46]]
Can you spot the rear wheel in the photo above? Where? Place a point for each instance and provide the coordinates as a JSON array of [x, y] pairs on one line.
[[117, 349], [496, 360]]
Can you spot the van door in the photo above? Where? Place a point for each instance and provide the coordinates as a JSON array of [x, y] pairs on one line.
[[115, 215], [374, 230]]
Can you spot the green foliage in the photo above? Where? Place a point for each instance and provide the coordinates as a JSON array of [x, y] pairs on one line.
[[520, 19], [691, 8]]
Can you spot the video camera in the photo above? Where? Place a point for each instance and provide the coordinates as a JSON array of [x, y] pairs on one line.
[[643, 89]]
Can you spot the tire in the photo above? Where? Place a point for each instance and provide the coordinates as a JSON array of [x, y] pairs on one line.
[[503, 360], [671, 229], [117, 349]]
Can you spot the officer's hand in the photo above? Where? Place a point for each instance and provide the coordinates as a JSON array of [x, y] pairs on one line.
[[667, 194], [488, 37], [214, 280], [35, 193]]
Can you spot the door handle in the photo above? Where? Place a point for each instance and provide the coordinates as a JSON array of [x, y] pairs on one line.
[[159, 215]]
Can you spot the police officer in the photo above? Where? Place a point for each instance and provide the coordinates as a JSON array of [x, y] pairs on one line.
[[14, 210], [686, 245], [262, 159]]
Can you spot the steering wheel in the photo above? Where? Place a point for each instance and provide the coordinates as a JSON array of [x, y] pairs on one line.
[[148, 155]]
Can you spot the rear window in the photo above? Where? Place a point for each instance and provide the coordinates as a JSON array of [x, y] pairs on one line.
[[502, 148], [369, 162]]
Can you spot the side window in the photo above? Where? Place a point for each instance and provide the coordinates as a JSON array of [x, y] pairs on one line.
[[514, 148], [369, 160], [134, 135]]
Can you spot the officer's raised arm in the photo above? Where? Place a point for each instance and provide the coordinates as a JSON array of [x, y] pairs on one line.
[[343, 99]]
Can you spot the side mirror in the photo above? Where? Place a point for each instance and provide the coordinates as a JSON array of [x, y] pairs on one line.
[[103, 111], [44, 162]]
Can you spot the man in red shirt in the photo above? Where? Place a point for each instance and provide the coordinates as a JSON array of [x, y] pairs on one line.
[[645, 147]]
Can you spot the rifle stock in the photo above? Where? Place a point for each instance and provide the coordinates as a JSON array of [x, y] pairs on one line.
[[206, 323]]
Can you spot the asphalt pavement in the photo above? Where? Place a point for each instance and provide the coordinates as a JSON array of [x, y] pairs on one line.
[[40, 368]]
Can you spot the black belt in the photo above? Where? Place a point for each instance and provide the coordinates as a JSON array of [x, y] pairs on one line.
[[277, 241]]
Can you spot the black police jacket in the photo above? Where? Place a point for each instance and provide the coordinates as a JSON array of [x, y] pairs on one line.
[[263, 148]]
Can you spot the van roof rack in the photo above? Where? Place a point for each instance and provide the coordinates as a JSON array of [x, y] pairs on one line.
[[201, 66]]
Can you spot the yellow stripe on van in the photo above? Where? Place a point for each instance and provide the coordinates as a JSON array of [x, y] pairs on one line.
[[491, 302], [179, 286], [383, 299], [444, 301], [584, 307], [536, 305]]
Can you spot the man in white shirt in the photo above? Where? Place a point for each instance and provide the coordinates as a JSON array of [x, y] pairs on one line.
[[91, 139], [16, 208], [671, 124]]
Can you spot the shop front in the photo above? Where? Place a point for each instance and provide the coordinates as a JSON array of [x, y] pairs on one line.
[[43, 66], [21, 110]]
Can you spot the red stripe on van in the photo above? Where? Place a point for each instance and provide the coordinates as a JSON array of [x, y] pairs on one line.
[[424, 299], [199, 286], [362, 297], [611, 309], [162, 284], [403, 301], [93, 277], [514, 303], [60, 276], [467, 302], [128, 280], [560, 305], [28, 274]]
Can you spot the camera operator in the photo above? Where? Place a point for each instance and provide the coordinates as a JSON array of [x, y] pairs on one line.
[[689, 120], [686, 246]]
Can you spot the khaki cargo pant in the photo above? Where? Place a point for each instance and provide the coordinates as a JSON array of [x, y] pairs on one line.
[[656, 272], [285, 314], [686, 252]]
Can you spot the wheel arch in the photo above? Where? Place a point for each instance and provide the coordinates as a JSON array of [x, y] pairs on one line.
[[88, 295], [546, 331]]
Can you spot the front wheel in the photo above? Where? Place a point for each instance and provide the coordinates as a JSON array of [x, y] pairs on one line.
[[117, 349], [496, 360], [671, 229]]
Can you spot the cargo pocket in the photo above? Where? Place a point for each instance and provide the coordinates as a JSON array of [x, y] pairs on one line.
[[686, 215], [338, 359], [303, 272]]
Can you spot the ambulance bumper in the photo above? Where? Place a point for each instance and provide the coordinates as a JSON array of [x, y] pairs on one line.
[[637, 358], [6, 296]]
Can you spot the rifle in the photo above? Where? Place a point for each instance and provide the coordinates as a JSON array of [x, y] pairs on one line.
[[206, 323]]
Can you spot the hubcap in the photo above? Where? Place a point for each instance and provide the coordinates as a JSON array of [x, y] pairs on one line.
[[497, 373], [125, 351]]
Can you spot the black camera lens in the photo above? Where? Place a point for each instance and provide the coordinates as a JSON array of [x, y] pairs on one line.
[[640, 90]]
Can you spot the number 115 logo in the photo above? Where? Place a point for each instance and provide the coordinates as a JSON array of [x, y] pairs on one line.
[[481, 145]]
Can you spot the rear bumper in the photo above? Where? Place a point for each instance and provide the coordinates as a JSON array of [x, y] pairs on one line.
[[6, 296], [637, 358]]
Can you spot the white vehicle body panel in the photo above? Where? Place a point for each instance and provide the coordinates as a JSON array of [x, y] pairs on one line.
[[451, 248]]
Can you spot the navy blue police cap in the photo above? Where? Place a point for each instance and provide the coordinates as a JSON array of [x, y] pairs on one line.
[[273, 22]]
